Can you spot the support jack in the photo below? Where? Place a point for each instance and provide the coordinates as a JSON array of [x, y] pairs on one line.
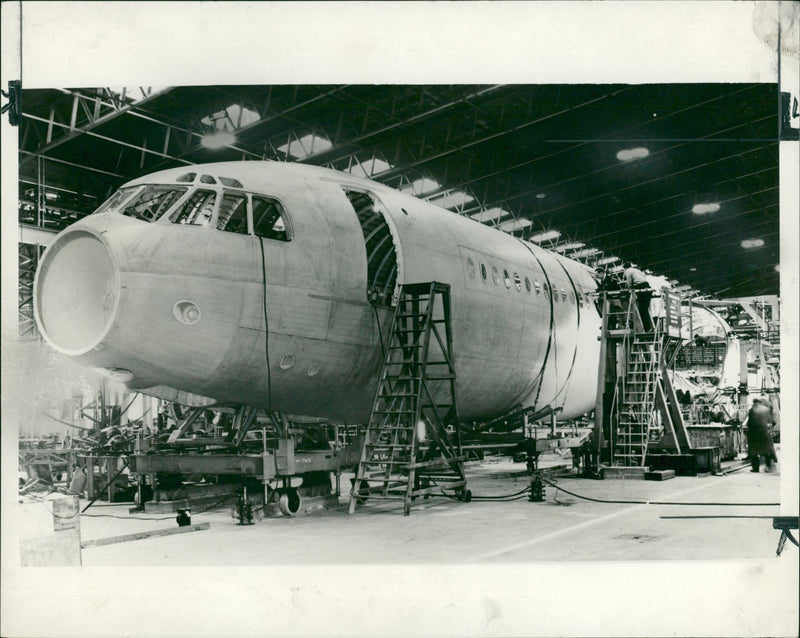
[[244, 510], [537, 488]]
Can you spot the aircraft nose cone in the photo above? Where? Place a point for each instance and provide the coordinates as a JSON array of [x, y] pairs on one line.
[[77, 292]]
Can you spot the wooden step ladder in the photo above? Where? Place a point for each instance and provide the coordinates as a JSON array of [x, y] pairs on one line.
[[412, 445]]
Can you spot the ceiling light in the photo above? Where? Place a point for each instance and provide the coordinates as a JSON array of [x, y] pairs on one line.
[[452, 199], [488, 215], [692, 269], [628, 154], [585, 252], [752, 243], [546, 236], [540, 195], [218, 139], [702, 209], [607, 260], [777, 267], [569, 246], [515, 224]]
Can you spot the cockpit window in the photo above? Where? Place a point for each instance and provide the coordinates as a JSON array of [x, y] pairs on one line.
[[233, 214], [117, 198], [153, 201], [197, 210], [268, 220]]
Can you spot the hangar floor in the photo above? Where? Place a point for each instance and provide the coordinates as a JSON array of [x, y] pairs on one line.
[[563, 528]]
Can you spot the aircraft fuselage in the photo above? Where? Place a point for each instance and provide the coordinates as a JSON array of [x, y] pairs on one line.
[[293, 319]]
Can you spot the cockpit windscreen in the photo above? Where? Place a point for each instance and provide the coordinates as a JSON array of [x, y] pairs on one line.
[[153, 201]]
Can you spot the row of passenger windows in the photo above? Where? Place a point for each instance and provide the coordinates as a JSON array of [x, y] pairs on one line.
[[538, 288], [200, 208]]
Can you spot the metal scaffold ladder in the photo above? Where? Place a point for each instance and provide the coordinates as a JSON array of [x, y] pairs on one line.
[[412, 446], [643, 390], [637, 410]]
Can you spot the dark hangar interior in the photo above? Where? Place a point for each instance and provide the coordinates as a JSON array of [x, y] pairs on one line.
[[592, 171]]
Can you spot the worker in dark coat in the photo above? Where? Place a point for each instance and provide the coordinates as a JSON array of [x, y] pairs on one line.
[[759, 437]]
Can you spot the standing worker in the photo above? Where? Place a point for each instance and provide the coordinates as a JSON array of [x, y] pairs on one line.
[[637, 283], [759, 438]]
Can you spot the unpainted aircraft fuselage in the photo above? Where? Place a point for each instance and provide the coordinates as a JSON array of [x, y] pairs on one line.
[[271, 284]]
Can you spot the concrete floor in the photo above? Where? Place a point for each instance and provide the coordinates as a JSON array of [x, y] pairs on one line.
[[564, 567], [442, 531]]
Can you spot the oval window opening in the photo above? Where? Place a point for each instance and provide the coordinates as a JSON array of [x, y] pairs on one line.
[[483, 272], [506, 279]]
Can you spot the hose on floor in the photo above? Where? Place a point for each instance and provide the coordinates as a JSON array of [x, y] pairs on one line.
[[601, 500]]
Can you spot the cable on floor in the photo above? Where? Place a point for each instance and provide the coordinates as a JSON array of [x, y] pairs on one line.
[[720, 516], [601, 500]]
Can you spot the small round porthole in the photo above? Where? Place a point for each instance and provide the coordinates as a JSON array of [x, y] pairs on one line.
[[187, 312], [527, 284], [287, 361], [313, 370], [470, 268], [483, 272], [506, 279], [495, 276]]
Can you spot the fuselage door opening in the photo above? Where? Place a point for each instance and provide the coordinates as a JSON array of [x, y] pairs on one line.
[[382, 259]]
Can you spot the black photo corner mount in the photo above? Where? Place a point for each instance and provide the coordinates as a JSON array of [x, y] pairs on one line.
[[14, 106]]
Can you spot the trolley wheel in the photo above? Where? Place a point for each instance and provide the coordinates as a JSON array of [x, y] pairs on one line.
[[466, 496], [289, 502]]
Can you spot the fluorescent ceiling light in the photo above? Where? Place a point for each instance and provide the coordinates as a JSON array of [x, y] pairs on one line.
[[487, 215], [586, 252], [628, 154], [562, 248], [515, 224], [607, 260], [449, 200], [777, 267], [545, 236], [218, 139], [541, 195], [752, 243], [702, 209]]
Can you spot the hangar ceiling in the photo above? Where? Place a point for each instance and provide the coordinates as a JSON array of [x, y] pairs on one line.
[[593, 171]]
